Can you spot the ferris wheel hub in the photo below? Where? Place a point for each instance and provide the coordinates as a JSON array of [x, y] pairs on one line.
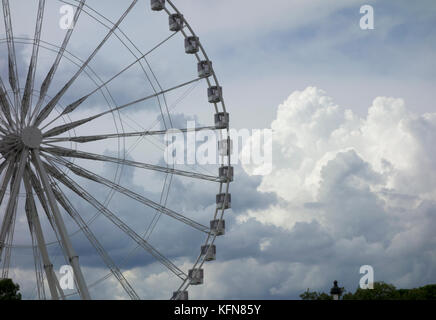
[[31, 137]]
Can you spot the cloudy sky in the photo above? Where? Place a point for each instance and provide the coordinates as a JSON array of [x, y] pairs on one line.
[[353, 179]]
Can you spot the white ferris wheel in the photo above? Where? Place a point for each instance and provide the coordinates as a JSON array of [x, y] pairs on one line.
[[78, 116]]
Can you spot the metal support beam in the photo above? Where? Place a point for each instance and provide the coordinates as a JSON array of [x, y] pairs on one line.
[[69, 208], [72, 185], [66, 242], [131, 194], [53, 102], [70, 126], [33, 217], [50, 75], [63, 152], [13, 72], [27, 95], [7, 219], [8, 243]]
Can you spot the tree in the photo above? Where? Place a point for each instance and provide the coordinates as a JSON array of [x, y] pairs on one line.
[[9, 290], [381, 291], [313, 295], [427, 292]]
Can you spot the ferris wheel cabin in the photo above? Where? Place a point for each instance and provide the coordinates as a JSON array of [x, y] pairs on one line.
[[218, 227], [214, 94], [222, 120], [209, 252], [157, 5], [224, 201], [176, 22], [204, 68], [180, 295], [196, 276], [192, 45], [226, 173]]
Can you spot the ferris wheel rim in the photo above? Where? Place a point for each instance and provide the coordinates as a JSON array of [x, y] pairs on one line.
[[223, 185]]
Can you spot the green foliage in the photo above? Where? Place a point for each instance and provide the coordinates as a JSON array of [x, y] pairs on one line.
[[324, 296], [381, 291], [427, 292], [9, 290], [312, 295]]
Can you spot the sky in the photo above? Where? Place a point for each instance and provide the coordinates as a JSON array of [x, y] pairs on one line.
[[352, 179]]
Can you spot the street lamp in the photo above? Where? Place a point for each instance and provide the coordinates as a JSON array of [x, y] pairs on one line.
[[336, 292]]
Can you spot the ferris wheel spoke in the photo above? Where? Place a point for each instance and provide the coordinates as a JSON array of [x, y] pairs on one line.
[[39, 277], [8, 147], [36, 255], [72, 256], [69, 208], [81, 192], [27, 95], [39, 273], [15, 188], [8, 243], [142, 67], [33, 219], [3, 167], [163, 199], [6, 122], [85, 139], [43, 200], [71, 107], [67, 127], [10, 233], [3, 126], [129, 193], [5, 181], [90, 156], [50, 75], [5, 105], [36, 185], [53, 102], [12, 59]]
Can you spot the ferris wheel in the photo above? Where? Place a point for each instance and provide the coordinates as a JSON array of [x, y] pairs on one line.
[[80, 115]]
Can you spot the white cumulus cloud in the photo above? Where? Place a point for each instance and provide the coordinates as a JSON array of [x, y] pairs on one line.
[[369, 182], [319, 147]]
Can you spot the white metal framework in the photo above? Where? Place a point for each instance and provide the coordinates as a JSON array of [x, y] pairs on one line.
[[39, 150]]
